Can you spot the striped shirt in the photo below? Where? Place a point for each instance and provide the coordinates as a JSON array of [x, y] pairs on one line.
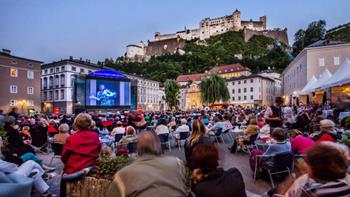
[[331, 189]]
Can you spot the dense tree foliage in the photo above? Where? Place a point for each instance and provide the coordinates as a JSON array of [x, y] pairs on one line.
[[340, 33], [315, 31], [258, 53], [214, 89], [172, 93]]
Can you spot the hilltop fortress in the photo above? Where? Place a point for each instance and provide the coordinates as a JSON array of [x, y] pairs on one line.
[[174, 42]]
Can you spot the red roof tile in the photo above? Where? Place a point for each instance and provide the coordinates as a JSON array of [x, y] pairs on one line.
[[228, 69], [193, 77]]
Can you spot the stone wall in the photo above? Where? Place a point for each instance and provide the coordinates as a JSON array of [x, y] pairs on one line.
[[280, 35]]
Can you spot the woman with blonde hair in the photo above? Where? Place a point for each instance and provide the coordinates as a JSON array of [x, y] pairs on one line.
[[198, 136]]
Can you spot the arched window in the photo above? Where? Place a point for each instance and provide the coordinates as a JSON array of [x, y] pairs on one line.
[[51, 82], [63, 80], [45, 83]]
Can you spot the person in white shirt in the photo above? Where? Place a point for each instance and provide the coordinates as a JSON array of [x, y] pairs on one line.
[[162, 128], [183, 127], [118, 130]]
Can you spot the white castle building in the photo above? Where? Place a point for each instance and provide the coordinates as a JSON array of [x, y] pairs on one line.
[[174, 42]]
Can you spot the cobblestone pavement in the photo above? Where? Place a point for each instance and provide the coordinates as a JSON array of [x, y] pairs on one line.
[[228, 160]]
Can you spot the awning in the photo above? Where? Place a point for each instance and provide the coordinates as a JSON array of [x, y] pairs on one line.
[[340, 77], [326, 75], [309, 84]]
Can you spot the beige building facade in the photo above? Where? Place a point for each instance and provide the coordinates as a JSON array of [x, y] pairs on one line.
[[312, 61], [20, 83]]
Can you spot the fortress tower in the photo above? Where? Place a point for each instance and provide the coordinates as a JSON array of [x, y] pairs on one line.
[[236, 17]]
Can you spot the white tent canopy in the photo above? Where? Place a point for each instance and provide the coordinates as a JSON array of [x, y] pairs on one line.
[[326, 75], [341, 76], [309, 84]]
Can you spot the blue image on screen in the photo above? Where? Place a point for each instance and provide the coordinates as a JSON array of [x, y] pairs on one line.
[[107, 93]]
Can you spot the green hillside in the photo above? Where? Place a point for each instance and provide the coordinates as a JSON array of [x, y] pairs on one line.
[[258, 54]]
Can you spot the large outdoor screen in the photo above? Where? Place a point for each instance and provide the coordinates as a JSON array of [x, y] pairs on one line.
[[106, 93]]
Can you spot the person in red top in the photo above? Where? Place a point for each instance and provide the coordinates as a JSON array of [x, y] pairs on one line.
[[82, 149], [299, 143], [52, 128], [327, 133]]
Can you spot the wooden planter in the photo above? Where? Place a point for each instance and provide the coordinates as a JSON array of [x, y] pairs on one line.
[[88, 187]]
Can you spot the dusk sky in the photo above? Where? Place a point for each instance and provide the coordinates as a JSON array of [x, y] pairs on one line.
[[50, 30]]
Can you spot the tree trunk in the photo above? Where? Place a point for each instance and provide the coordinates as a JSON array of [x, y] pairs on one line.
[[88, 187]]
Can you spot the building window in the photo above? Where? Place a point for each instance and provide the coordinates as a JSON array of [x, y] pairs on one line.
[[13, 72], [251, 80], [30, 103], [57, 69], [233, 91], [46, 71], [239, 98], [82, 70], [45, 83], [57, 80], [321, 62], [45, 96], [245, 81], [239, 82], [13, 103], [336, 61], [51, 70], [62, 94], [251, 97], [30, 74], [239, 90], [63, 79], [13, 89], [74, 68], [50, 95], [56, 94], [233, 98], [30, 90], [62, 68], [245, 97], [245, 90], [251, 89]]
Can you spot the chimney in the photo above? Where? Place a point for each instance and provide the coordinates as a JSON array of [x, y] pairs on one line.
[[70, 57], [7, 51]]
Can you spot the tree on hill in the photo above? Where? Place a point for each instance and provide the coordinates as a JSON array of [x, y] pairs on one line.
[[172, 93], [214, 89], [258, 54], [315, 31]]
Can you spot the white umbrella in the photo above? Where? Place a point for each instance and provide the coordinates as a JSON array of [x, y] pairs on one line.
[[341, 76]]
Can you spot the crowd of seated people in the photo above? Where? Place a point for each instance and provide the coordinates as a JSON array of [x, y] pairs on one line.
[[263, 132]]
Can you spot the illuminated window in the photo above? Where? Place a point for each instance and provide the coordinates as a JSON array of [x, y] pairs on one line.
[[13, 72], [13, 103]]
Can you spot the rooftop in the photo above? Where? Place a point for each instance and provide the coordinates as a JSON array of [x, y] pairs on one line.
[[191, 77], [228, 69], [321, 43], [7, 53]]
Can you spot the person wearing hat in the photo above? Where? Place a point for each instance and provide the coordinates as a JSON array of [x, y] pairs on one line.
[[118, 130], [327, 132]]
